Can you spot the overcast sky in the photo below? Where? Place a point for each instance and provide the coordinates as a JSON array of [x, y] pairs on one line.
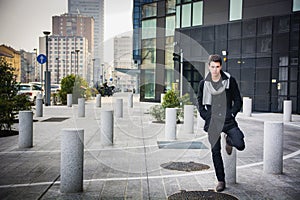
[[23, 21]]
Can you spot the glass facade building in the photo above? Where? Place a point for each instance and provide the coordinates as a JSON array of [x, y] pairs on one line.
[[261, 48]]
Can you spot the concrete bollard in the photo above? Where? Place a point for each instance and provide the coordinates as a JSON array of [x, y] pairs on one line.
[[287, 111], [199, 121], [273, 147], [69, 100], [247, 106], [130, 100], [162, 97], [81, 107], [71, 165], [107, 127], [170, 126], [98, 100], [188, 120], [25, 129], [229, 162], [39, 107], [119, 108]]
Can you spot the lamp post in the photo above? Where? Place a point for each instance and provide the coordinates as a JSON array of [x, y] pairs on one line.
[[77, 51], [181, 72], [72, 52], [57, 73], [94, 79], [64, 68], [35, 64], [102, 75], [47, 73]]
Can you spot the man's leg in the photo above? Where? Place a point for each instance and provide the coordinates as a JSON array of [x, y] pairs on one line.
[[235, 138], [218, 162]]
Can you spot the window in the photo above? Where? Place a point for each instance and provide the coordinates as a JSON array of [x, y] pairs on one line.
[[186, 15], [197, 13], [236, 7], [170, 6], [149, 10], [296, 5], [170, 25], [148, 28], [177, 16]]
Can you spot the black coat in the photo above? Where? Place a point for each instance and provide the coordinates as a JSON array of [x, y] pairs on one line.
[[228, 105]]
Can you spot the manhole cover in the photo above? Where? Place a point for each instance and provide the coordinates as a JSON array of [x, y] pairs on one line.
[[201, 195], [185, 166], [55, 119]]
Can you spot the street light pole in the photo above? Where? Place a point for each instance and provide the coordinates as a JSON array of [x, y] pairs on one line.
[[102, 75], [94, 70], [47, 73], [72, 52], [181, 72], [77, 51], [57, 73], [35, 64]]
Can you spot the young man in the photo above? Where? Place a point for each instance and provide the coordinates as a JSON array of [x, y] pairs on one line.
[[219, 101]]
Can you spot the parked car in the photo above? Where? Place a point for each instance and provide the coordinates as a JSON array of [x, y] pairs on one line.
[[31, 90], [55, 88]]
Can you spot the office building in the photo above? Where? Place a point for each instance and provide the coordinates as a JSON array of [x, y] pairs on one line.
[[63, 59], [95, 9], [123, 63], [28, 66], [74, 25], [258, 39]]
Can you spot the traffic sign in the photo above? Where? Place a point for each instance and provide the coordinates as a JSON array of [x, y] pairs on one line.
[[41, 58]]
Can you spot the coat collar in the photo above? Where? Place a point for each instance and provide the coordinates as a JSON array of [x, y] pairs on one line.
[[224, 76]]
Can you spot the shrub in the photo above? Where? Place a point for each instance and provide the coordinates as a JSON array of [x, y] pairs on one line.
[[170, 100], [74, 85], [10, 102], [158, 112]]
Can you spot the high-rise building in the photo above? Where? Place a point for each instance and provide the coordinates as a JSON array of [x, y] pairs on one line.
[[153, 45], [123, 62], [123, 52], [95, 9], [63, 58], [74, 25], [259, 42]]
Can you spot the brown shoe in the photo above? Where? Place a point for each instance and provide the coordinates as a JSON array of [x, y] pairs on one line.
[[221, 186], [228, 147]]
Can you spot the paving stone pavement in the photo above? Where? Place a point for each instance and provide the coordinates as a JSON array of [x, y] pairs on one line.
[[131, 167]]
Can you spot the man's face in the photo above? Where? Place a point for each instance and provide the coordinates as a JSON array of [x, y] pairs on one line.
[[215, 69]]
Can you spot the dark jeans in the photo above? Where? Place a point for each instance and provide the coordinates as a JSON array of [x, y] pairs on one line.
[[235, 138]]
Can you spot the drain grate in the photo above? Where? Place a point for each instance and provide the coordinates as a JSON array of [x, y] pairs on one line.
[[185, 166], [55, 119], [201, 195], [180, 145]]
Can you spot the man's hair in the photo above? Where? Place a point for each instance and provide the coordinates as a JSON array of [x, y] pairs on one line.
[[214, 58]]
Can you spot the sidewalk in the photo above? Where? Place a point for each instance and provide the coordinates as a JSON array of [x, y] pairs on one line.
[[131, 168]]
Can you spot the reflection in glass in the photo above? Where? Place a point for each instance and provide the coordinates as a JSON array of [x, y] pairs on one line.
[[198, 13]]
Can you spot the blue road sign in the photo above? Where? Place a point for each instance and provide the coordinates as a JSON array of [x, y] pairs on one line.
[[41, 58]]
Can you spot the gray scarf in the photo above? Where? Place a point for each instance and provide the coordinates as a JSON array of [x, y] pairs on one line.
[[209, 90]]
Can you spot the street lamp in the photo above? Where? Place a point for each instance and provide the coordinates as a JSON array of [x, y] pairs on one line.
[[72, 52], [77, 51], [102, 77], [47, 73], [57, 73], [94, 70], [35, 64], [64, 68]]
